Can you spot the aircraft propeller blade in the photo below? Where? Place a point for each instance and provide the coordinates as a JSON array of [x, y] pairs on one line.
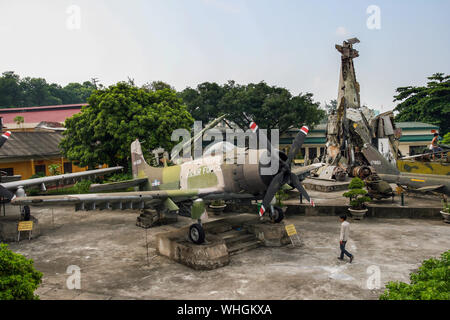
[[5, 193], [295, 182], [4, 138], [285, 174], [275, 185], [297, 144]]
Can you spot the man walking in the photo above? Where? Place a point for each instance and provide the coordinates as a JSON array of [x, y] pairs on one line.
[[434, 146], [345, 231]]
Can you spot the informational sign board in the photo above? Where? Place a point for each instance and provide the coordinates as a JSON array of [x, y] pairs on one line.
[[290, 229], [25, 226], [293, 235]]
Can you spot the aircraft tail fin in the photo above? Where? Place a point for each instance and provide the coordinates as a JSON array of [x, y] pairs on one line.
[[380, 163], [139, 165]]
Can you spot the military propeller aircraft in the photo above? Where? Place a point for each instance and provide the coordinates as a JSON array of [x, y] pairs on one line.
[[168, 189], [417, 182]]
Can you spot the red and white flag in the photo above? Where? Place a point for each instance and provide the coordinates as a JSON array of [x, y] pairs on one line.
[[261, 211]]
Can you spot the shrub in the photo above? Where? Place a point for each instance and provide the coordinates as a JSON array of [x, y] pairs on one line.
[[281, 196], [81, 187], [356, 194], [118, 177], [430, 282], [18, 278], [37, 175], [54, 169]]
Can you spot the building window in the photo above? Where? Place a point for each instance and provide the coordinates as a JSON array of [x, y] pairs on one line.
[[7, 171], [414, 150], [312, 153], [40, 169], [322, 151], [68, 167], [302, 150]]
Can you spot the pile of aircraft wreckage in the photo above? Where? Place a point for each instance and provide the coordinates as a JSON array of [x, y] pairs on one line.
[[354, 131]]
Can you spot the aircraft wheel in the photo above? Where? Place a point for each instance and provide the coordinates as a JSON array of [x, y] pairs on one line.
[[197, 234], [278, 215]]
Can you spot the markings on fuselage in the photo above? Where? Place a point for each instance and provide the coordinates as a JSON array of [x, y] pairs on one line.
[[199, 173]]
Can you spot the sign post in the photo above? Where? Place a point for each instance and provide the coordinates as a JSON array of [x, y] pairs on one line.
[[291, 232], [25, 226]]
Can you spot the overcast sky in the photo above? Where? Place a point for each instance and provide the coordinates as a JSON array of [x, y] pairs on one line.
[[289, 43]]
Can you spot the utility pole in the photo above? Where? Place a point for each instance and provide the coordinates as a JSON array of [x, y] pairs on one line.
[[94, 81]]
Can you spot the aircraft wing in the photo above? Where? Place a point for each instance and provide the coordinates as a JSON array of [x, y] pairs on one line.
[[60, 179], [304, 171], [429, 188], [120, 185], [115, 201]]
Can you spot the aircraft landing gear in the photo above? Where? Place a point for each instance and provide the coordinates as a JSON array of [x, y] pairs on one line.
[[197, 233], [25, 213], [276, 215]]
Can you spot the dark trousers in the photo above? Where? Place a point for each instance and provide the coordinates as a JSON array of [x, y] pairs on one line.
[[343, 251]]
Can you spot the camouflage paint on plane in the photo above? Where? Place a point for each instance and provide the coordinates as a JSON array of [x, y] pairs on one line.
[[422, 167], [209, 172], [391, 174]]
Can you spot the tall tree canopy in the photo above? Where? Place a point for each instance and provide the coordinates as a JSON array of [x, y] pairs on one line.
[[31, 92], [270, 106], [115, 117], [430, 104]]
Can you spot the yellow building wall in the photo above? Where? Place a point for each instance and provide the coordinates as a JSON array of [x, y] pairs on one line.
[[26, 168]]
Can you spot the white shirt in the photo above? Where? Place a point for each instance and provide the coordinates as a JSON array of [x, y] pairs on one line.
[[345, 231]]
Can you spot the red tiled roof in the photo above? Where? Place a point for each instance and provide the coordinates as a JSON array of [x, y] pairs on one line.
[[38, 114]]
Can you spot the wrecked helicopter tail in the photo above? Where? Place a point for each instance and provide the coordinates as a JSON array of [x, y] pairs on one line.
[[380, 163]]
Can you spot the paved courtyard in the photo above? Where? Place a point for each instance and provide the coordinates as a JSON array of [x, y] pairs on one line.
[[111, 254]]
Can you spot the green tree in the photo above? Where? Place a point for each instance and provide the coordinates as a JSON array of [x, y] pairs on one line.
[[10, 91], [115, 117], [18, 277], [36, 92], [331, 107], [204, 101], [446, 139], [430, 282], [270, 107], [19, 120], [157, 85], [430, 104], [31, 92]]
